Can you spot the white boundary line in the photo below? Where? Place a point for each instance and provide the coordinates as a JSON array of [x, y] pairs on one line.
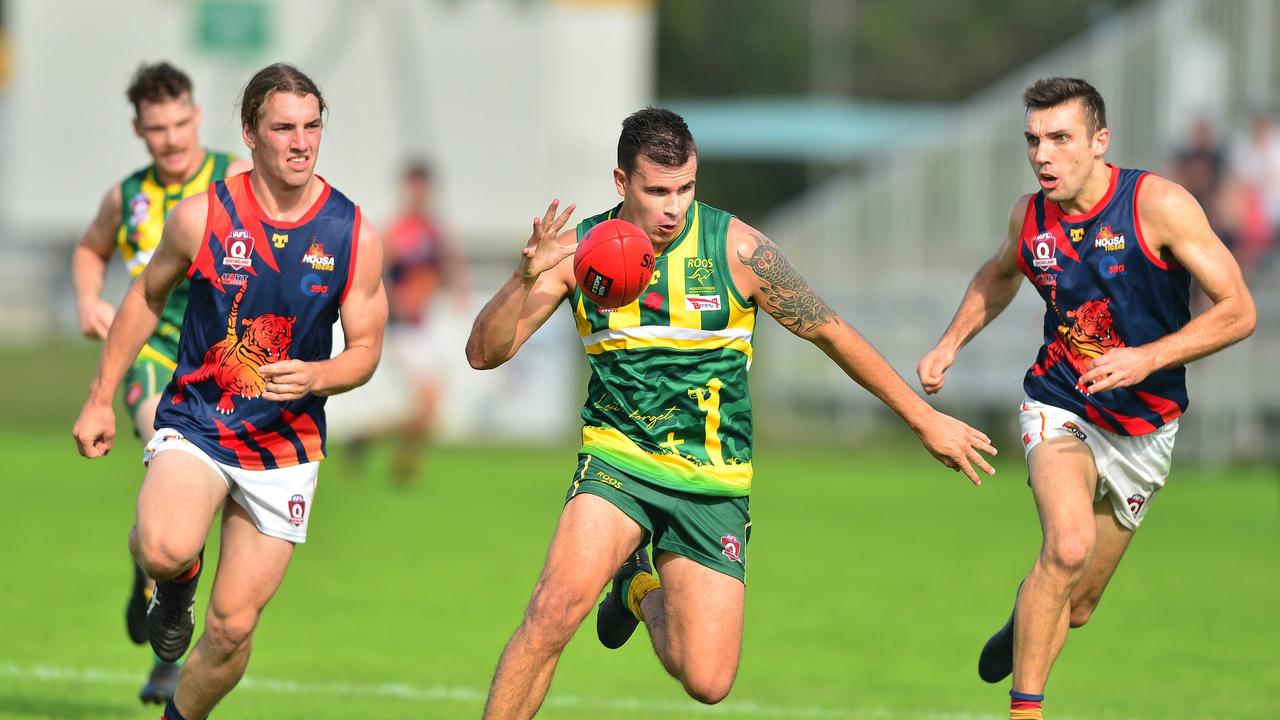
[[438, 694]]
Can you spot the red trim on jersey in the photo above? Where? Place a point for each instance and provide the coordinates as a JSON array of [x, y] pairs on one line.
[[1137, 227], [281, 449], [1167, 409], [1062, 242], [304, 426], [1098, 419], [1098, 206], [1133, 425], [306, 218], [1027, 231], [227, 438], [251, 218], [351, 264], [203, 249]]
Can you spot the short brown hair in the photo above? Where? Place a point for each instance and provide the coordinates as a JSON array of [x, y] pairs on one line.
[[657, 133], [280, 77], [1051, 92], [157, 83]]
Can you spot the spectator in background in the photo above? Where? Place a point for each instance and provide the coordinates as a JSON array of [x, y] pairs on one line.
[[1199, 167], [421, 263], [1255, 203]]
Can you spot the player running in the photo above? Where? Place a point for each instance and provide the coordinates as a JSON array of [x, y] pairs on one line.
[[666, 442], [131, 216], [1112, 252], [274, 257]]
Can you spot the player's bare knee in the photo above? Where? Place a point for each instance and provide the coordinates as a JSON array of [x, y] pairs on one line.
[[228, 633], [554, 614], [708, 686], [1067, 556], [160, 558]]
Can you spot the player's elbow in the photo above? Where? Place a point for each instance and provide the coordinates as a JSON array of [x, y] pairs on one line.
[[1248, 321], [479, 360]]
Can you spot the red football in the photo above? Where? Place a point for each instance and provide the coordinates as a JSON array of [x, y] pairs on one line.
[[613, 263]]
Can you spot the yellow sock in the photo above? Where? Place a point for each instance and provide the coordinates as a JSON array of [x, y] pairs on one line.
[[642, 583]]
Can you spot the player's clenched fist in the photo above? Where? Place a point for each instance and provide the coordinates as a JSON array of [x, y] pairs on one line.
[[95, 430]]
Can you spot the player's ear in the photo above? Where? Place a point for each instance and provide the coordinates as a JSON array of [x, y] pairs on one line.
[[1101, 141], [246, 133], [620, 181], [137, 126], [199, 114]]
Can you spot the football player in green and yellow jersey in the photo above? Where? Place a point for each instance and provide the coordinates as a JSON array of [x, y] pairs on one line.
[[130, 218], [666, 440]]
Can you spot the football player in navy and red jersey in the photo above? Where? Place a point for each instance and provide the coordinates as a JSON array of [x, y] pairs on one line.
[[1112, 252], [273, 258]]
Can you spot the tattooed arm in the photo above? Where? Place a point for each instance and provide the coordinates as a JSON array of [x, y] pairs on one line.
[[763, 274]]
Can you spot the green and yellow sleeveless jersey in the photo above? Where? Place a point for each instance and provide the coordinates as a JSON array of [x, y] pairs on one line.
[[668, 399], [145, 205]]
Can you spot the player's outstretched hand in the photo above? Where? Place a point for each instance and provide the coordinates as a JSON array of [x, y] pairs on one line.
[[95, 430], [542, 251], [1118, 368], [932, 369], [957, 445], [287, 379]]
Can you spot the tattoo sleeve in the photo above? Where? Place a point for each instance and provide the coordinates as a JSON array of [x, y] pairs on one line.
[[790, 299]]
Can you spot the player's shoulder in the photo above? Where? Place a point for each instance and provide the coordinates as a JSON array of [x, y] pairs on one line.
[[189, 214], [1160, 194]]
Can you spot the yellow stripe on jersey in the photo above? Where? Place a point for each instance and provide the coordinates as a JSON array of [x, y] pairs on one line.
[[616, 448], [664, 336], [681, 316], [150, 353]]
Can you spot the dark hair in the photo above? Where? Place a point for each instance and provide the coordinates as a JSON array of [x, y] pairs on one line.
[[658, 134], [418, 170], [157, 83], [280, 77], [1051, 92]]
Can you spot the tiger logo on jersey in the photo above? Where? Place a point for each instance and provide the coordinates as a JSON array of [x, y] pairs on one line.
[[1088, 332], [233, 362]]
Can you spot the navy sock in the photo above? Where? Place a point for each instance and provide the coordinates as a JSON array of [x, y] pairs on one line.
[[171, 712]]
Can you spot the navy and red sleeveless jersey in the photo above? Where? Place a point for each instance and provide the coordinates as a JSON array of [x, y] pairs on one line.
[[1104, 289], [261, 291]]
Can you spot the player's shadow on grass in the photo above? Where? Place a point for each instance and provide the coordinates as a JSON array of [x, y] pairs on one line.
[[62, 708]]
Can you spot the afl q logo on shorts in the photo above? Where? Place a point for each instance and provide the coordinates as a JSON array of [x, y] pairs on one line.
[[297, 510], [238, 246]]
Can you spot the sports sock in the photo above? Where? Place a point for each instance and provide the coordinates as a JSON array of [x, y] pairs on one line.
[[189, 573], [1025, 706], [637, 586], [171, 712]]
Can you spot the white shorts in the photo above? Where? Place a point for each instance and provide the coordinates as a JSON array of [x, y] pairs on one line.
[[279, 500], [1131, 468]]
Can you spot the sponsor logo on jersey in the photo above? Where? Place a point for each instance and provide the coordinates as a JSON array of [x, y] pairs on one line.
[[653, 280], [732, 547], [653, 300], [312, 285], [1074, 429], [234, 278], [279, 240], [297, 510], [1077, 234], [1045, 249], [698, 276], [698, 303], [1110, 267], [138, 208], [1108, 240], [238, 246], [1136, 502], [317, 258], [1045, 280]]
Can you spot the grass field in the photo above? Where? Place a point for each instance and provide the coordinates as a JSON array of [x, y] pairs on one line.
[[875, 576]]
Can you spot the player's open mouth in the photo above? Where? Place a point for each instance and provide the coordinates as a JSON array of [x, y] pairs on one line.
[[1047, 181], [298, 161]]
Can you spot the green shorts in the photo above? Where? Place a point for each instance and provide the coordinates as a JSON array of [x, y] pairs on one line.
[[146, 377], [711, 530]]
